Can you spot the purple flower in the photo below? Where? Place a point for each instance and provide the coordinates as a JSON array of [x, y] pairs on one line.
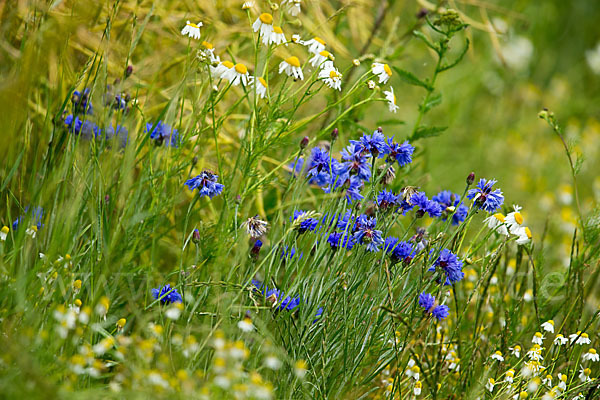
[[307, 224], [206, 183], [447, 199], [427, 301], [367, 234], [318, 170], [425, 205], [373, 144], [162, 133], [340, 240], [402, 153], [451, 265], [167, 295], [485, 198], [387, 200], [354, 162], [399, 251]]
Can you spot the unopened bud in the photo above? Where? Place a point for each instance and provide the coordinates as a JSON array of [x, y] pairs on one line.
[[128, 71], [304, 142], [255, 250], [334, 134], [471, 178], [422, 13], [379, 129], [196, 236]]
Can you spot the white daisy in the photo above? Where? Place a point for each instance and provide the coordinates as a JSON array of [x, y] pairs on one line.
[[261, 87], [191, 30], [580, 338], [418, 387], [320, 58], [584, 374], [264, 25], [210, 52], [237, 74], [497, 222], [277, 36], [514, 220], [591, 355], [562, 381], [560, 340], [383, 71], [414, 372], [32, 231], [497, 356], [294, 9], [296, 39], [272, 362], [548, 326], [247, 5], [538, 338], [331, 76], [510, 375], [4, 233], [315, 45], [490, 384], [516, 351], [391, 98], [547, 380], [291, 66], [246, 324], [220, 70], [535, 353], [524, 235]]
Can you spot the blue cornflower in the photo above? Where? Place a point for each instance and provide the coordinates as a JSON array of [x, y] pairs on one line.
[[279, 300], [425, 205], [289, 254], [340, 240], [354, 162], [448, 199], [167, 295], [162, 133], [84, 128], [387, 200], [399, 251], [81, 101], [353, 185], [318, 169], [367, 234], [307, 223], [206, 183], [344, 220], [450, 264], [120, 133], [427, 301], [373, 144], [402, 153], [485, 198], [37, 214]]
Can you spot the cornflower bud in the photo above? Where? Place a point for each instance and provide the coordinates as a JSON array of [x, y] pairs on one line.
[[304, 142], [471, 178]]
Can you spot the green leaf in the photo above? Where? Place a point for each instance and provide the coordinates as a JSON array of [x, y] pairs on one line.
[[392, 121], [433, 101], [411, 79], [427, 131]]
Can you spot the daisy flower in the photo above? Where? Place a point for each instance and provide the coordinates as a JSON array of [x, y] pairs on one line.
[[535, 353], [514, 220], [220, 70], [580, 338], [497, 356], [320, 58], [524, 235], [291, 66], [4, 233], [277, 36], [516, 351], [246, 324], [237, 74], [264, 25], [261, 87], [498, 222], [331, 75], [294, 9], [510, 375], [538, 338], [547, 380], [210, 52], [560, 340], [383, 71], [315, 45], [391, 99], [247, 5], [584, 374], [191, 30], [490, 384], [418, 387], [548, 326], [562, 381], [591, 355]]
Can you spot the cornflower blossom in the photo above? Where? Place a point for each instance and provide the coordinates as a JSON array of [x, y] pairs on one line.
[[306, 223], [591, 355], [84, 128], [162, 133], [340, 240], [402, 153], [315, 45], [399, 251], [497, 222], [37, 215], [191, 30], [391, 99], [387, 200], [450, 204], [318, 59], [291, 66], [238, 74], [206, 183], [279, 300], [484, 197], [289, 253], [319, 167], [382, 71], [330, 75], [548, 326], [367, 234], [167, 295], [373, 144], [264, 25], [425, 205], [255, 227], [81, 101], [427, 301], [354, 162], [497, 356], [450, 265]]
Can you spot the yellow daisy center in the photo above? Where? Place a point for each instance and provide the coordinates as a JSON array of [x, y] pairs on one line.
[[293, 61], [499, 353], [518, 218], [587, 371], [277, 30], [538, 334], [263, 82], [387, 69], [266, 18], [394, 99], [241, 69], [333, 74], [34, 228], [327, 54], [193, 25], [584, 335], [499, 217], [5, 229], [592, 351], [528, 232], [207, 45], [318, 39], [563, 378], [227, 64]]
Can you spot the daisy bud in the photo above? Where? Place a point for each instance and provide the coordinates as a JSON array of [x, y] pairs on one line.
[[356, 62], [304, 142], [471, 178]]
